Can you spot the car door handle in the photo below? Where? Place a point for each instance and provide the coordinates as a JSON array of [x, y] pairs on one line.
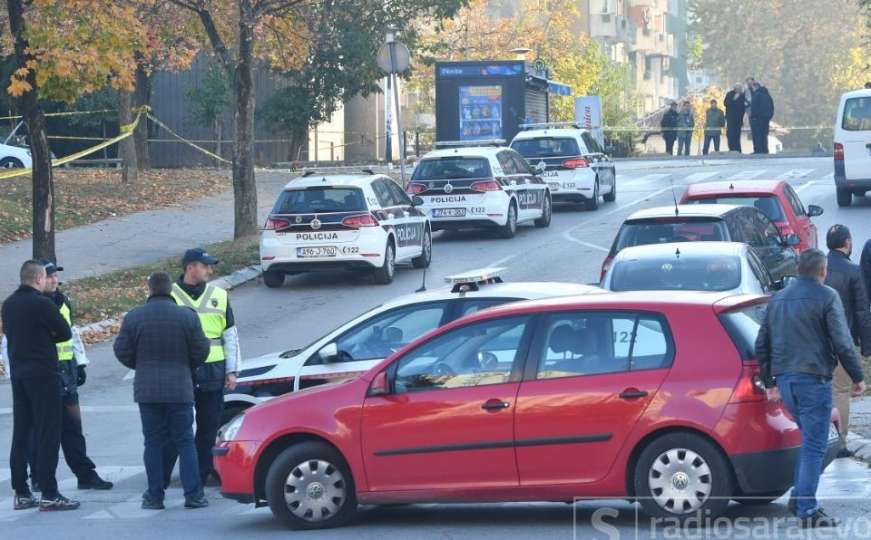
[[632, 393], [495, 405]]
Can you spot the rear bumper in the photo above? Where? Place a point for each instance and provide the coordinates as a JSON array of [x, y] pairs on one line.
[[315, 266], [565, 196], [772, 471], [453, 225]]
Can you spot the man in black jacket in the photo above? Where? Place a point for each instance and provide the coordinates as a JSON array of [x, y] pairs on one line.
[[761, 113], [865, 265], [669, 127], [846, 278], [801, 339], [33, 326], [165, 343], [735, 109]]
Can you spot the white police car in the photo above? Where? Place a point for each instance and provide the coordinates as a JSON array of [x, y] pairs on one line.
[[480, 184], [365, 340], [343, 221], [575, 167]]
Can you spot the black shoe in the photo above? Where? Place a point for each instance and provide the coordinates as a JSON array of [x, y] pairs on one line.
[[197, 501], [34, 487], [96, 483], [212, 479], [844, 453], [58, 503], [150, 504], [23, 502], [819, 519]]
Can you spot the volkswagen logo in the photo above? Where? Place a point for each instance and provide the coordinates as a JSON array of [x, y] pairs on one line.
[[448, 188], [315, 224], [680, 481]]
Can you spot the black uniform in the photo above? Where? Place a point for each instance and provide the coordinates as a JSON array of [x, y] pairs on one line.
[[735, 109]]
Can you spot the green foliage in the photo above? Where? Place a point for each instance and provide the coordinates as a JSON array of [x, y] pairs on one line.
[[210, 99]]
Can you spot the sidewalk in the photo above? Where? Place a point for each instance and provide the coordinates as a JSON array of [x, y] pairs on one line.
[[137, 239]]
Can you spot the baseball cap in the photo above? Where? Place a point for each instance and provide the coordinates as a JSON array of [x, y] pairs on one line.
[[198, 255], [50, 267]]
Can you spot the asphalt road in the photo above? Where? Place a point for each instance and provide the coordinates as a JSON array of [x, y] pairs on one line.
[[307, 306]]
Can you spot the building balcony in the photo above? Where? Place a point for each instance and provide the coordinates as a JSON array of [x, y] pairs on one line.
[[645, 41], [663, 45], [604, 26]]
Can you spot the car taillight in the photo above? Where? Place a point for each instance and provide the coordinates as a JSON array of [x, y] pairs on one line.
[[839, 152], [749, 387], [605, 267], [486, 185], [362, 220], [575, 163], [273, 224], [414, 188]]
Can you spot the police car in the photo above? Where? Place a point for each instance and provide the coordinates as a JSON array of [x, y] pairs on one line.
[[575, 167], [343, 221], [480, 184], [365, 340]]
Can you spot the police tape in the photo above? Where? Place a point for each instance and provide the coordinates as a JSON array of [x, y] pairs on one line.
[[186, 141], [62, 113]]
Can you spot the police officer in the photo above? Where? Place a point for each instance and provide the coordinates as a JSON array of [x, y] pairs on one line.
[[212, 305]]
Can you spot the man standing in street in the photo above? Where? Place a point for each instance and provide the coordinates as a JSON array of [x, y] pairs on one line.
[[865, 265], [761, 113], [802, 338], [715, 120], [669, 127], [212, 305], [846, 278], [735, 109], [686, 122], [33, 326], [164, 344]]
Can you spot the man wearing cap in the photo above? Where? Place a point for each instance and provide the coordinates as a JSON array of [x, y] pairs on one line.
[[212, 305]]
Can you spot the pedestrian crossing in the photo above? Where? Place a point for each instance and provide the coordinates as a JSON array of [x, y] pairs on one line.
[[637, 180]]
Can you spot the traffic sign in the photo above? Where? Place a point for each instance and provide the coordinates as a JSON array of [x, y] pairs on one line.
[[401, 57]]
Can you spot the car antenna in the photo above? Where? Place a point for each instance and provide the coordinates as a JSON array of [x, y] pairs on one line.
[[677, 253], [673, 196]]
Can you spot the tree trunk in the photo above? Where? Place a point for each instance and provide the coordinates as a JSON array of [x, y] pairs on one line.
[[219, 134], [34, 118], [127, 147], [142, 97], [244, 185]]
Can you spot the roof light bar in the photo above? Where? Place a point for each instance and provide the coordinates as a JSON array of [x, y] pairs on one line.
[[469, 281], [546, 125]]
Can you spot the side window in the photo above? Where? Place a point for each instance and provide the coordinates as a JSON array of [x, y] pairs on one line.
[[507, 164], [591, 143], [473, 306], [385, 198], [520, 164], [399, 197], [736, 232], [382, 335], [474, 355], [769, 231], [751, 229], [795, 202], [759, 270]]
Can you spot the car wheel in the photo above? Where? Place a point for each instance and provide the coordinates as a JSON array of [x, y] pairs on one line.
[[309, 486], [273, 279], [680, 475], [593, 202], [611, 196], [384, 273], [510, 228], [845, 197], [11, 163], [760, 499], [546, 213], [426, 254]]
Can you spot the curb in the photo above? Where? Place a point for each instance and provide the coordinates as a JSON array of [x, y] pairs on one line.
[[860, 446]]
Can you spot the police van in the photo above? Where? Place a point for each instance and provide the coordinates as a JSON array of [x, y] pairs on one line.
[[362, 342], [471, 184], [343, 221], [574, 165], [852, 145]]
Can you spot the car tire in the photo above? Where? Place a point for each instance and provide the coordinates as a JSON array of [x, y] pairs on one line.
[[593, 202], [671, 466], [510, 228], [384, 274], [546, 213], [231, 412], [426, 254], [611, 196], [845, 197], [11, 163], [273, 279], [760, 499], [298, 476]]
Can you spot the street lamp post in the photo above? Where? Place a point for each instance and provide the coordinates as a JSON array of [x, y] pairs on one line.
[[390, 40]]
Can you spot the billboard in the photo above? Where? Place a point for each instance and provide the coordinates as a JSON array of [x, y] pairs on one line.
[[480, 112], [588, 113]]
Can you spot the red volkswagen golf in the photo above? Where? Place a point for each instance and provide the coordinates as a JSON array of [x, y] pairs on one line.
[[639, 395]]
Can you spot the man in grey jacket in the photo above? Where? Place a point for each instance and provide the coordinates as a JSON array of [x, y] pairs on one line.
[[802, 337], [165, 343]]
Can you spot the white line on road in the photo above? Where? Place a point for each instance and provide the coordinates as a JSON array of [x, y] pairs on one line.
[[589, 245], [828, 178], [747, 175], [804, 186], [646, 179], [794, 174], [700, 176]]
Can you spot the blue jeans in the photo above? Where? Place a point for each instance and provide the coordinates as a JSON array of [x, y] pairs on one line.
[[808, 398], [683, 143], [162, 423]]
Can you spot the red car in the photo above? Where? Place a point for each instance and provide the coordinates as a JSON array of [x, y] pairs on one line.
[[632, 395], [775, 198]]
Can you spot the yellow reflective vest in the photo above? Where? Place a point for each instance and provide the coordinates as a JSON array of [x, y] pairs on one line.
[[211, 308], [65, 349]]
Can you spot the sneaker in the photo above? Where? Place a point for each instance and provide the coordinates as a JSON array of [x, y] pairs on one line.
[[23, 502], [150, 504], [197, 501], [844, 453], [58, 503], [819, 519], [34, 487], [96, 483]]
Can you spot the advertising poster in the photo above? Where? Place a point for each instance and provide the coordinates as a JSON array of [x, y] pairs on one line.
[[588, 113], [480, 112]]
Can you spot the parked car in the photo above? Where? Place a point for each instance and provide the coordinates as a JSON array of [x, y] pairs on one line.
[[775, 198], [710, 222], [14, 157], [576, 168], [726, 267], [853, 146], [633, 395]]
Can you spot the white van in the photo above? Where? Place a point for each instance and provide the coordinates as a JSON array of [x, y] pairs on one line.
[[853, 146]]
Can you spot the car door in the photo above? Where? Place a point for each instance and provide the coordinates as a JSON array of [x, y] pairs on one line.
[[512, 180], [533, 188], [589, 378], [448, 421], [803, 226], [778, 258], [855, 130], [410, 226], [761, 282], [600, 162], [392, 215]]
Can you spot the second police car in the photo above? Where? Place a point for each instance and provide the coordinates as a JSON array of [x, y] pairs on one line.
[[470, 184], [343, 221]]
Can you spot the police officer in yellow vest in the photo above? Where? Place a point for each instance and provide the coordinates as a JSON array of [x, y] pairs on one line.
[[212, 305]]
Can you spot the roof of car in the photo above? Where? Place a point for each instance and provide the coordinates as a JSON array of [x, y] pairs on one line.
[[862, 92], [332, 180], [684, 210], [670, 249], [525, 290], [549, 132], [743, 187], [471, 151]]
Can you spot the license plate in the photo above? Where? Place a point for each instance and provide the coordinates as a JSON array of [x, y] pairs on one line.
[[448, 212], [551, 174], [312, 252], [554, 186]]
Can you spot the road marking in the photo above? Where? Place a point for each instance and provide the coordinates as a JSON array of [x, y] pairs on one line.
[[804, 186], [589, 245], [828, 178], [93, 409], [700, 177], [747, 175], [795, 174], [646, 179]]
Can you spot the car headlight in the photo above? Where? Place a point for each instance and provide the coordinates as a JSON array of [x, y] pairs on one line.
[[230, 429], [29, 154]]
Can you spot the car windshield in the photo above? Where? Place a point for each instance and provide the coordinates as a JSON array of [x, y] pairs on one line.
[[857, 114], [317, 200], [767, 204], [543, 147], [451, 168], [660, 231], [675, 271]]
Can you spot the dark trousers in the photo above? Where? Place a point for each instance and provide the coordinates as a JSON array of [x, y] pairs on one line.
[[733, 136], [72, 442], [209, 410], [669, 142], [708, 139], [683, 142], [36, 406], [162, 424], [759, 129]]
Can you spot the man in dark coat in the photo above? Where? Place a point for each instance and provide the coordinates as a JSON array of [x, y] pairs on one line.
[[735, 109], [669, 127], [714, 123], [165, 343], [761, 113]]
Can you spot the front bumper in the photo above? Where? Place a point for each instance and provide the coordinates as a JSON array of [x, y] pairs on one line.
[[235, 463], [773, 471]]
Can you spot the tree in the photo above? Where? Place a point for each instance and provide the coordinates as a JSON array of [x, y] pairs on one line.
[[209, 101]]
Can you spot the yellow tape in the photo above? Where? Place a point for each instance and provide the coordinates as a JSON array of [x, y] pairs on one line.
[[65, 113], [182, 139]]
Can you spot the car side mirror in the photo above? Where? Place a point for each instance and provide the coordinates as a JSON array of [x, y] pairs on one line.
[[329, 353], [540, 167], [379, 386], [793, 240], [417, 201], [814, 210]]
